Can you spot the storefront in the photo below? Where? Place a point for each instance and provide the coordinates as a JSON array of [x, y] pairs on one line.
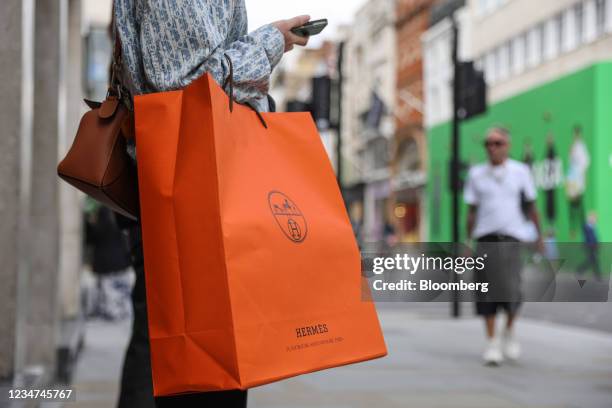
[[407, 185]]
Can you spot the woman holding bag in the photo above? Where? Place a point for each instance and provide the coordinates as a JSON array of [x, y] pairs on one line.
[[165, 45]]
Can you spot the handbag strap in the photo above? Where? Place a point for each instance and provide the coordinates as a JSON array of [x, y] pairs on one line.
[[230, 80], [116, 86]]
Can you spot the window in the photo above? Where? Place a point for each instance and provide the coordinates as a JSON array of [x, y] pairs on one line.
[[509, 56], [560, 32], [528, 48], [490, 74], [550, 43], [535, 45], [569, 30], [600, 15], [579, 23], [518, 54], [589, 21], [503, 62], [543, 46]]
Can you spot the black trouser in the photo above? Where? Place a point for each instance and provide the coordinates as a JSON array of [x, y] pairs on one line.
[[136, 382]]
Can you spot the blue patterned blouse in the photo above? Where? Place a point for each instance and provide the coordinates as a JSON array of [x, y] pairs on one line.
[[166, 44]]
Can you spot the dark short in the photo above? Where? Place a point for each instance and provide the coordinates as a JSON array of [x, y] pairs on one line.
[[491, 308], [502, 272]]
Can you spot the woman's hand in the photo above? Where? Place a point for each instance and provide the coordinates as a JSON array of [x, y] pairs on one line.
[[285, 26]]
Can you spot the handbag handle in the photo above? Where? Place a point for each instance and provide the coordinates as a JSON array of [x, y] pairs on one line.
[[230, 80]]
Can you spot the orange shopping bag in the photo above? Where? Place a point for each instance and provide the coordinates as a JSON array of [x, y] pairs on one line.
[[252, 269]]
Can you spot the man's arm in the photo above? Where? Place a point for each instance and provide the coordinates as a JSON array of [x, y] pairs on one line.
[[534, 216], [530, 192], [470, 197]]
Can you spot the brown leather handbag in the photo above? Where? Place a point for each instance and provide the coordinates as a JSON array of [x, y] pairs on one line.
[[98, 163]]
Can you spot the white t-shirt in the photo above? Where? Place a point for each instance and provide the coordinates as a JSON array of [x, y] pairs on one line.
[[496, 192]]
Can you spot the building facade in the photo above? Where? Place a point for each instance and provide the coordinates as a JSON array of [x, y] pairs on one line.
[[408, 158], [368, 124], [548, 70]]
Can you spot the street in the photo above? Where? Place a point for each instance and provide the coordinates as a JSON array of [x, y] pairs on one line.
[[434, 361]]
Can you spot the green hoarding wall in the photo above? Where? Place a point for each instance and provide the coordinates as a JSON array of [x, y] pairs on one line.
[[539, 118]]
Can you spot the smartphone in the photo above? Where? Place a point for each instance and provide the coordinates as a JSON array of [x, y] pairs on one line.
[[310, 28]]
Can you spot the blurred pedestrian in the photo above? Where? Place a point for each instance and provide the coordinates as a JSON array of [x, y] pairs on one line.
[[499, 194], [579, 161], [166, 46], [591, 245], [110, 264], [551, 171], [389, 235], [551, 251]]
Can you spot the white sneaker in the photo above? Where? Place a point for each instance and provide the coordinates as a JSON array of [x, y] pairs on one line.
[[493, 353], [510, 346]]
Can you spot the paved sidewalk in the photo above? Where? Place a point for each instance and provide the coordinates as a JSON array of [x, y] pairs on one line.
[[436, 363], [96, 380], [433, 361]]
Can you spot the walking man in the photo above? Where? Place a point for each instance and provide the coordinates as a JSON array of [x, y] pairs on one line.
[[497, 192]]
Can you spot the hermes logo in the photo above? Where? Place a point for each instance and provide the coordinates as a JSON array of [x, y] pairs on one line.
[[311, 330], [288, 216]]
